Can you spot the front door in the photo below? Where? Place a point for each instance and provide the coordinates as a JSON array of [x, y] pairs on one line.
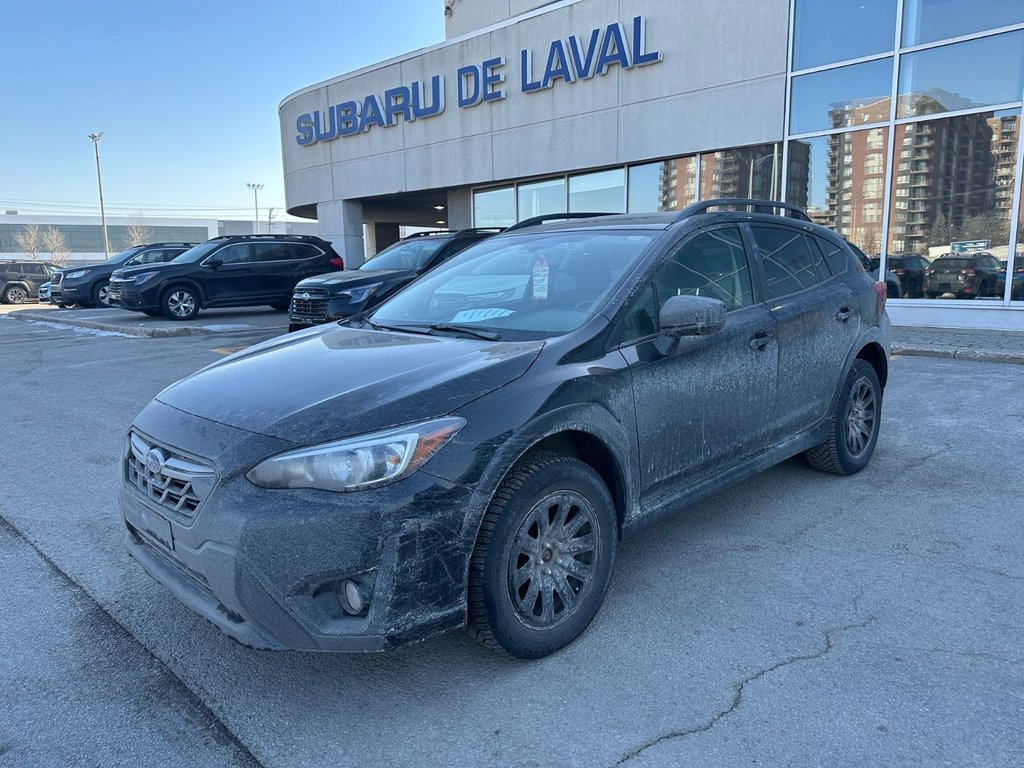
[[703, 403], [233, 281]]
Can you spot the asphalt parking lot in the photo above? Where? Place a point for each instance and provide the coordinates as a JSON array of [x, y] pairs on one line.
[[797, 619]]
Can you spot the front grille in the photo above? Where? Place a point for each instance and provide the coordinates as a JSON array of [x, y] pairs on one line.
[[176, 482], [310, 302]]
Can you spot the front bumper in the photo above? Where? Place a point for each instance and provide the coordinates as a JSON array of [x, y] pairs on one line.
[[265, 566]]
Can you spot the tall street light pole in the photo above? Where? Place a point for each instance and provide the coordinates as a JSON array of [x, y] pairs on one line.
[[95, 137], [256, 203]]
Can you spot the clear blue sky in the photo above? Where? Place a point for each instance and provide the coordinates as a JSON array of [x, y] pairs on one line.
[[185, 92]]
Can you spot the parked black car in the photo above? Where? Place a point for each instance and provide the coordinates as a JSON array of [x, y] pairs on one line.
[[87, 286], [336, 295], [968, 276], [21, 280], [909, 268], [229, 271], [472, 451], [1017, 288]]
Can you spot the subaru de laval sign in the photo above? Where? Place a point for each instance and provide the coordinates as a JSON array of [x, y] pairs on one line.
[[566, 62]]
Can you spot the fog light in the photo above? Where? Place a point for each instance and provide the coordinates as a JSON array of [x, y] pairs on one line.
[[354, 597]]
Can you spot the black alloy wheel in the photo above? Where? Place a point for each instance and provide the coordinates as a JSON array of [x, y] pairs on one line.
[[544, 557], [180, 303], [853, 430]]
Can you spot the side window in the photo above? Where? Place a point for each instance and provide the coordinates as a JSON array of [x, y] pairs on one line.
[[152, 256], [304, 251], [712, 264], [835, 256], [789, 265], [134, 261], [272, 251], [34, 269], [234, 254], [641, 318]]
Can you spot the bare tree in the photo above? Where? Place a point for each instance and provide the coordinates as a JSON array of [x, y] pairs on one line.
[[137, 233], [54, 242], [29, 240]]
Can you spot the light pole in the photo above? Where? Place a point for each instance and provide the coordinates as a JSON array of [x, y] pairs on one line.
[[95, 137], [256, 203]]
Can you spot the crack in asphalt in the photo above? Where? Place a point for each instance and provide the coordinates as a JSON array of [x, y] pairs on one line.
[[738, 689], [244, 753]]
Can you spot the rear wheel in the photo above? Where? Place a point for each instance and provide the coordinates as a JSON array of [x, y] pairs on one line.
[[15, 294], [99, 294], [543, 559], [180, 303], [853, 428]]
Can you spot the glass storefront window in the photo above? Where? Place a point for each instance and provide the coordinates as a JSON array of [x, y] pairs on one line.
[[754, 171], [841, 97], [975, 73], [494, 207], [840, 181], [1017, 268], [953, 208], [670, 185], [541, 197], [829, 31], [925, 21], [604, 192]]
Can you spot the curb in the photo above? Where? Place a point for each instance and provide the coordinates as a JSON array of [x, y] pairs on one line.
[[960, 353], [140, 332]]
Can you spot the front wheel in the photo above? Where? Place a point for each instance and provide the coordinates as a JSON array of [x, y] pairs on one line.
[[543, 559], [853, 428], [180, 303]]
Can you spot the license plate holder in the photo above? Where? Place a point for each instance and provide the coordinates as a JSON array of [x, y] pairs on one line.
[[154, 526]]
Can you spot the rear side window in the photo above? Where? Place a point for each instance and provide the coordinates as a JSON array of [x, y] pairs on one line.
[[304, 251], [272, 251], [836, 258], [789, 264], [34, 269]]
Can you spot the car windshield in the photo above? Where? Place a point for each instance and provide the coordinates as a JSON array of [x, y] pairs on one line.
[[408, 254], [197, 252], [522, 286], [117, 258]]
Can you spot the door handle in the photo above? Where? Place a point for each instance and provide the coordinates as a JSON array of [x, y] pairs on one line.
[[844, 314], [760, 341]]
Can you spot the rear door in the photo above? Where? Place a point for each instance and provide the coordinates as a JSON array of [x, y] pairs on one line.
[[703, 402], [816, 318]]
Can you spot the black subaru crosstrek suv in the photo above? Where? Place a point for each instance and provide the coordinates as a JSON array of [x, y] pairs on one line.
[[333, 296], [228, 271], [87, 286]]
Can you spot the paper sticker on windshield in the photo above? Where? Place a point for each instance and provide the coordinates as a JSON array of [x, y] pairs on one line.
[[541, 271], [476, 315]]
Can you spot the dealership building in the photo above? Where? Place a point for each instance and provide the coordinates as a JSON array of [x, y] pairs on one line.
[[895, 122]]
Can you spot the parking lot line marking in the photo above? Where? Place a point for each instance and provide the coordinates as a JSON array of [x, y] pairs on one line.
[[227, 350]]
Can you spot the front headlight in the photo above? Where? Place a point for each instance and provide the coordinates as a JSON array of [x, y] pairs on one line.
[[145, 276], [77, 274], [358, 462], [360, 294]]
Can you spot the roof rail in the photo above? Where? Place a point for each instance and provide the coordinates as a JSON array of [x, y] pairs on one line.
[[554, 217], [758, 206]]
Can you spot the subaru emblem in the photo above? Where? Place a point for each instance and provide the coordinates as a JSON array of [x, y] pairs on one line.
[[305, 297], [154, 460]]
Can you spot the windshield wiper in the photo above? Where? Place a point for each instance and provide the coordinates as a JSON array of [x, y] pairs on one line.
[[479, 333]]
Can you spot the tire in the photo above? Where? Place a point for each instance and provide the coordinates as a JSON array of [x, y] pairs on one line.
[[15, 294], [180, 302], [853, 428], [525, 599], [99, 295]]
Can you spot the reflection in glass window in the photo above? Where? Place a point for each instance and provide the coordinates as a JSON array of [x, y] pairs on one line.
[[788, 262], [713, 264], [541, 197], [666, 186], [925, 21], [1017, 268], [958, 203], [963, 75], [754, 171], [494, 207], [840, 181], [828, 31], [601, 192], [836, 98]]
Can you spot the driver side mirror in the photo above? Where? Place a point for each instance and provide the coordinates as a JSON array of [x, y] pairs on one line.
[[214, 262], [691, 316]]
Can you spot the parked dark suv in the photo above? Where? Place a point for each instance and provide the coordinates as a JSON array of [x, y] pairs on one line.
[[87, 286], [229, 271], [21, 280], [340, 294], [909, 267], [471, 452], [968, 276]]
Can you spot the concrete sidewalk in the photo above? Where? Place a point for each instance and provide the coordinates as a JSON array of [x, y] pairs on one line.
[[959, 343]]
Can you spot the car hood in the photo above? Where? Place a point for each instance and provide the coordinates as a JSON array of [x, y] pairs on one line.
[[350, 278], [132, 271], [331, 382]]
